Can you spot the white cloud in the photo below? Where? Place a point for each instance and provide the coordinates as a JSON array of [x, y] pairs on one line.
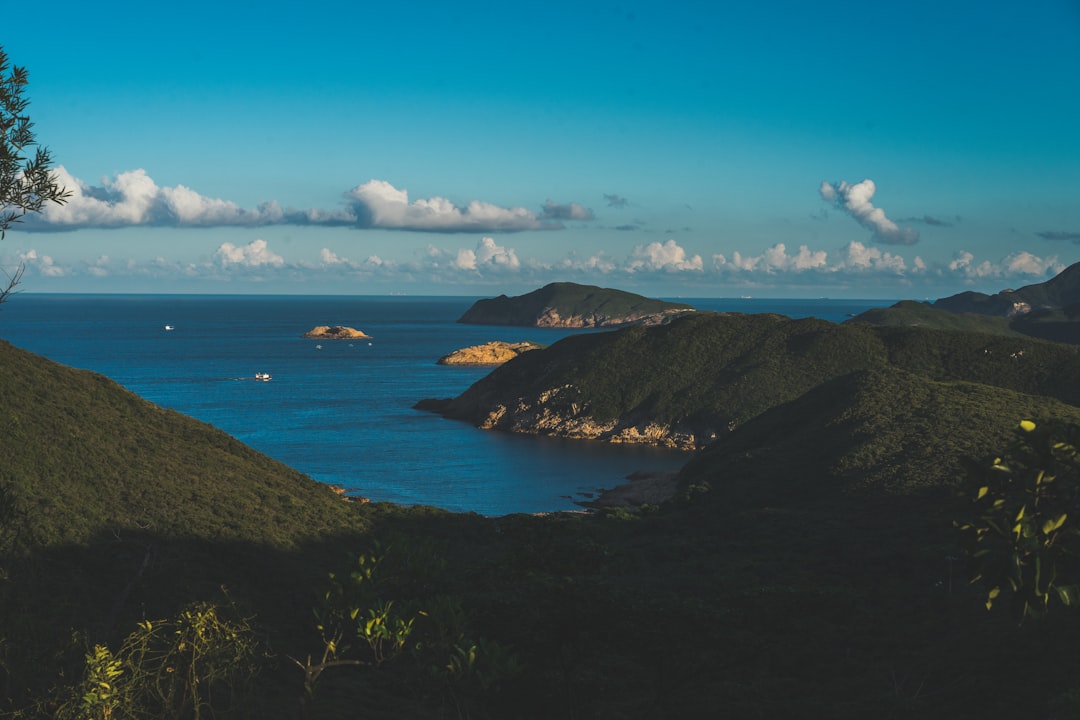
[[856, 256], [666, 256], [378, 204], [1024, 263], [255, 254], [775, 259], [1018, 264], [329, 257], [42, 264], [855, 200], [487, 255], [133, 198]]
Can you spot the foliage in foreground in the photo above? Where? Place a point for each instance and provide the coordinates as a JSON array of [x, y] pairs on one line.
[[1024, 536]]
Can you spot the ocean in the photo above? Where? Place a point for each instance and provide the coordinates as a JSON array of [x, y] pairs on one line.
[[341, 411]]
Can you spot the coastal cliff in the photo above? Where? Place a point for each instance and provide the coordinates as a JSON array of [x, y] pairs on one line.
[[569, 305]]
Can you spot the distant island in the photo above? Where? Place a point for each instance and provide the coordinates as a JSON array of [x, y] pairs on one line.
[[492, 353], [1049, 310], [569, 305], [334, 332]]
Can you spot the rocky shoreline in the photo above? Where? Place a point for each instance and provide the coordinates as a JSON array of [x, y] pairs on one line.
[[641, 488]]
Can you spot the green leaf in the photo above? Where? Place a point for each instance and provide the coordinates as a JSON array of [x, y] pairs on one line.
[[982, 492], [1053, 524]]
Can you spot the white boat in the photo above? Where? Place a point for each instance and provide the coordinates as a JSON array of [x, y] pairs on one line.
[[169, 327], [262, 377]]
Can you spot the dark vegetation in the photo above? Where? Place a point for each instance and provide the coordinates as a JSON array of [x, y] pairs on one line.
[[708, 372], [593, 305], [154, 567], [1048, 310]]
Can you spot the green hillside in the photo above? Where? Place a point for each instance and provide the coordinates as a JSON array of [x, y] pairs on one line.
[[84, 456], [567, 304], [1056, 325], [705, 373], [808, 568], [1058, 292]]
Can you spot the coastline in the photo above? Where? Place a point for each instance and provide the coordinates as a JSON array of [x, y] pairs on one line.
[[641, 488]]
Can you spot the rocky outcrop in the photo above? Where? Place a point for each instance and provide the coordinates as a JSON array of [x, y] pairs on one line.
[[549, 317], [334, 332], [492, 353], [549, 414]]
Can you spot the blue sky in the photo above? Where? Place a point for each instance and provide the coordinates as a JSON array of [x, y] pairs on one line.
[[773, 149]]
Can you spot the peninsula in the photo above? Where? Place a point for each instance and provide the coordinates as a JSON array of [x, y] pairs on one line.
[[569, 305]]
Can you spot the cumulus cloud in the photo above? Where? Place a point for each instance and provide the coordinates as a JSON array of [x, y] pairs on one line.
[[854, 199], [1021, 263], [253, 255], [42, 264], [133, 198], [857, 256], [775, 259], [666, 256], [1059, 235], [615, 201], [569, 211], [378, 204], [487, 255]]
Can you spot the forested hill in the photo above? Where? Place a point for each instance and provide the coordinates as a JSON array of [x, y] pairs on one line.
[[686, 383], [567, 304], [83, 456], [1060, 291], [1049, 310]]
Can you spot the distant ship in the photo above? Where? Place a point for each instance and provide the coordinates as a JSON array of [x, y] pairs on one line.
[[262, 377], [169, 327]]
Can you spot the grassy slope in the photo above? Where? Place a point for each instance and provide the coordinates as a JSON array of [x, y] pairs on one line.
[[803, 576], [708, 371], [84, 456], [1054, 325]]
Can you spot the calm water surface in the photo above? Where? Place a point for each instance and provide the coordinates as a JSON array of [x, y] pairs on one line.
[[341, 411]]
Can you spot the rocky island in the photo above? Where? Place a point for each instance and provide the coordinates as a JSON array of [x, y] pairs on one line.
[[569, 305], [334, 332], [492, 353]]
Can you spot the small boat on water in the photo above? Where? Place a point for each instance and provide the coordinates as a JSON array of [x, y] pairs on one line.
[[262, 377], [169, 327]]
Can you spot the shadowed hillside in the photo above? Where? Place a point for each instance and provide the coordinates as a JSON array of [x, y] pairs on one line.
[[689, 382], [808, 568]]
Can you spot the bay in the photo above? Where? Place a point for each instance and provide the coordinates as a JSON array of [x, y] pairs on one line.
[[341, 411]]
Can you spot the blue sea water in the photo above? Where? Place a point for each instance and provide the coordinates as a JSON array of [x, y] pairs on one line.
[[341, 411]]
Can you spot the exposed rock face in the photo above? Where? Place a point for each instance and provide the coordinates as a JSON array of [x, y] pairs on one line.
[[549, 414], [549, 318], [492, 353], [334, 332]]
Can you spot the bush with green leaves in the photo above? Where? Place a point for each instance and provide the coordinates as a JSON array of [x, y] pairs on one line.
[[198, 664], [1024, 535]]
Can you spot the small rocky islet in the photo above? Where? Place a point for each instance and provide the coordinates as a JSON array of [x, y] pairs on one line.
[[334, 332], [496, 352]]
